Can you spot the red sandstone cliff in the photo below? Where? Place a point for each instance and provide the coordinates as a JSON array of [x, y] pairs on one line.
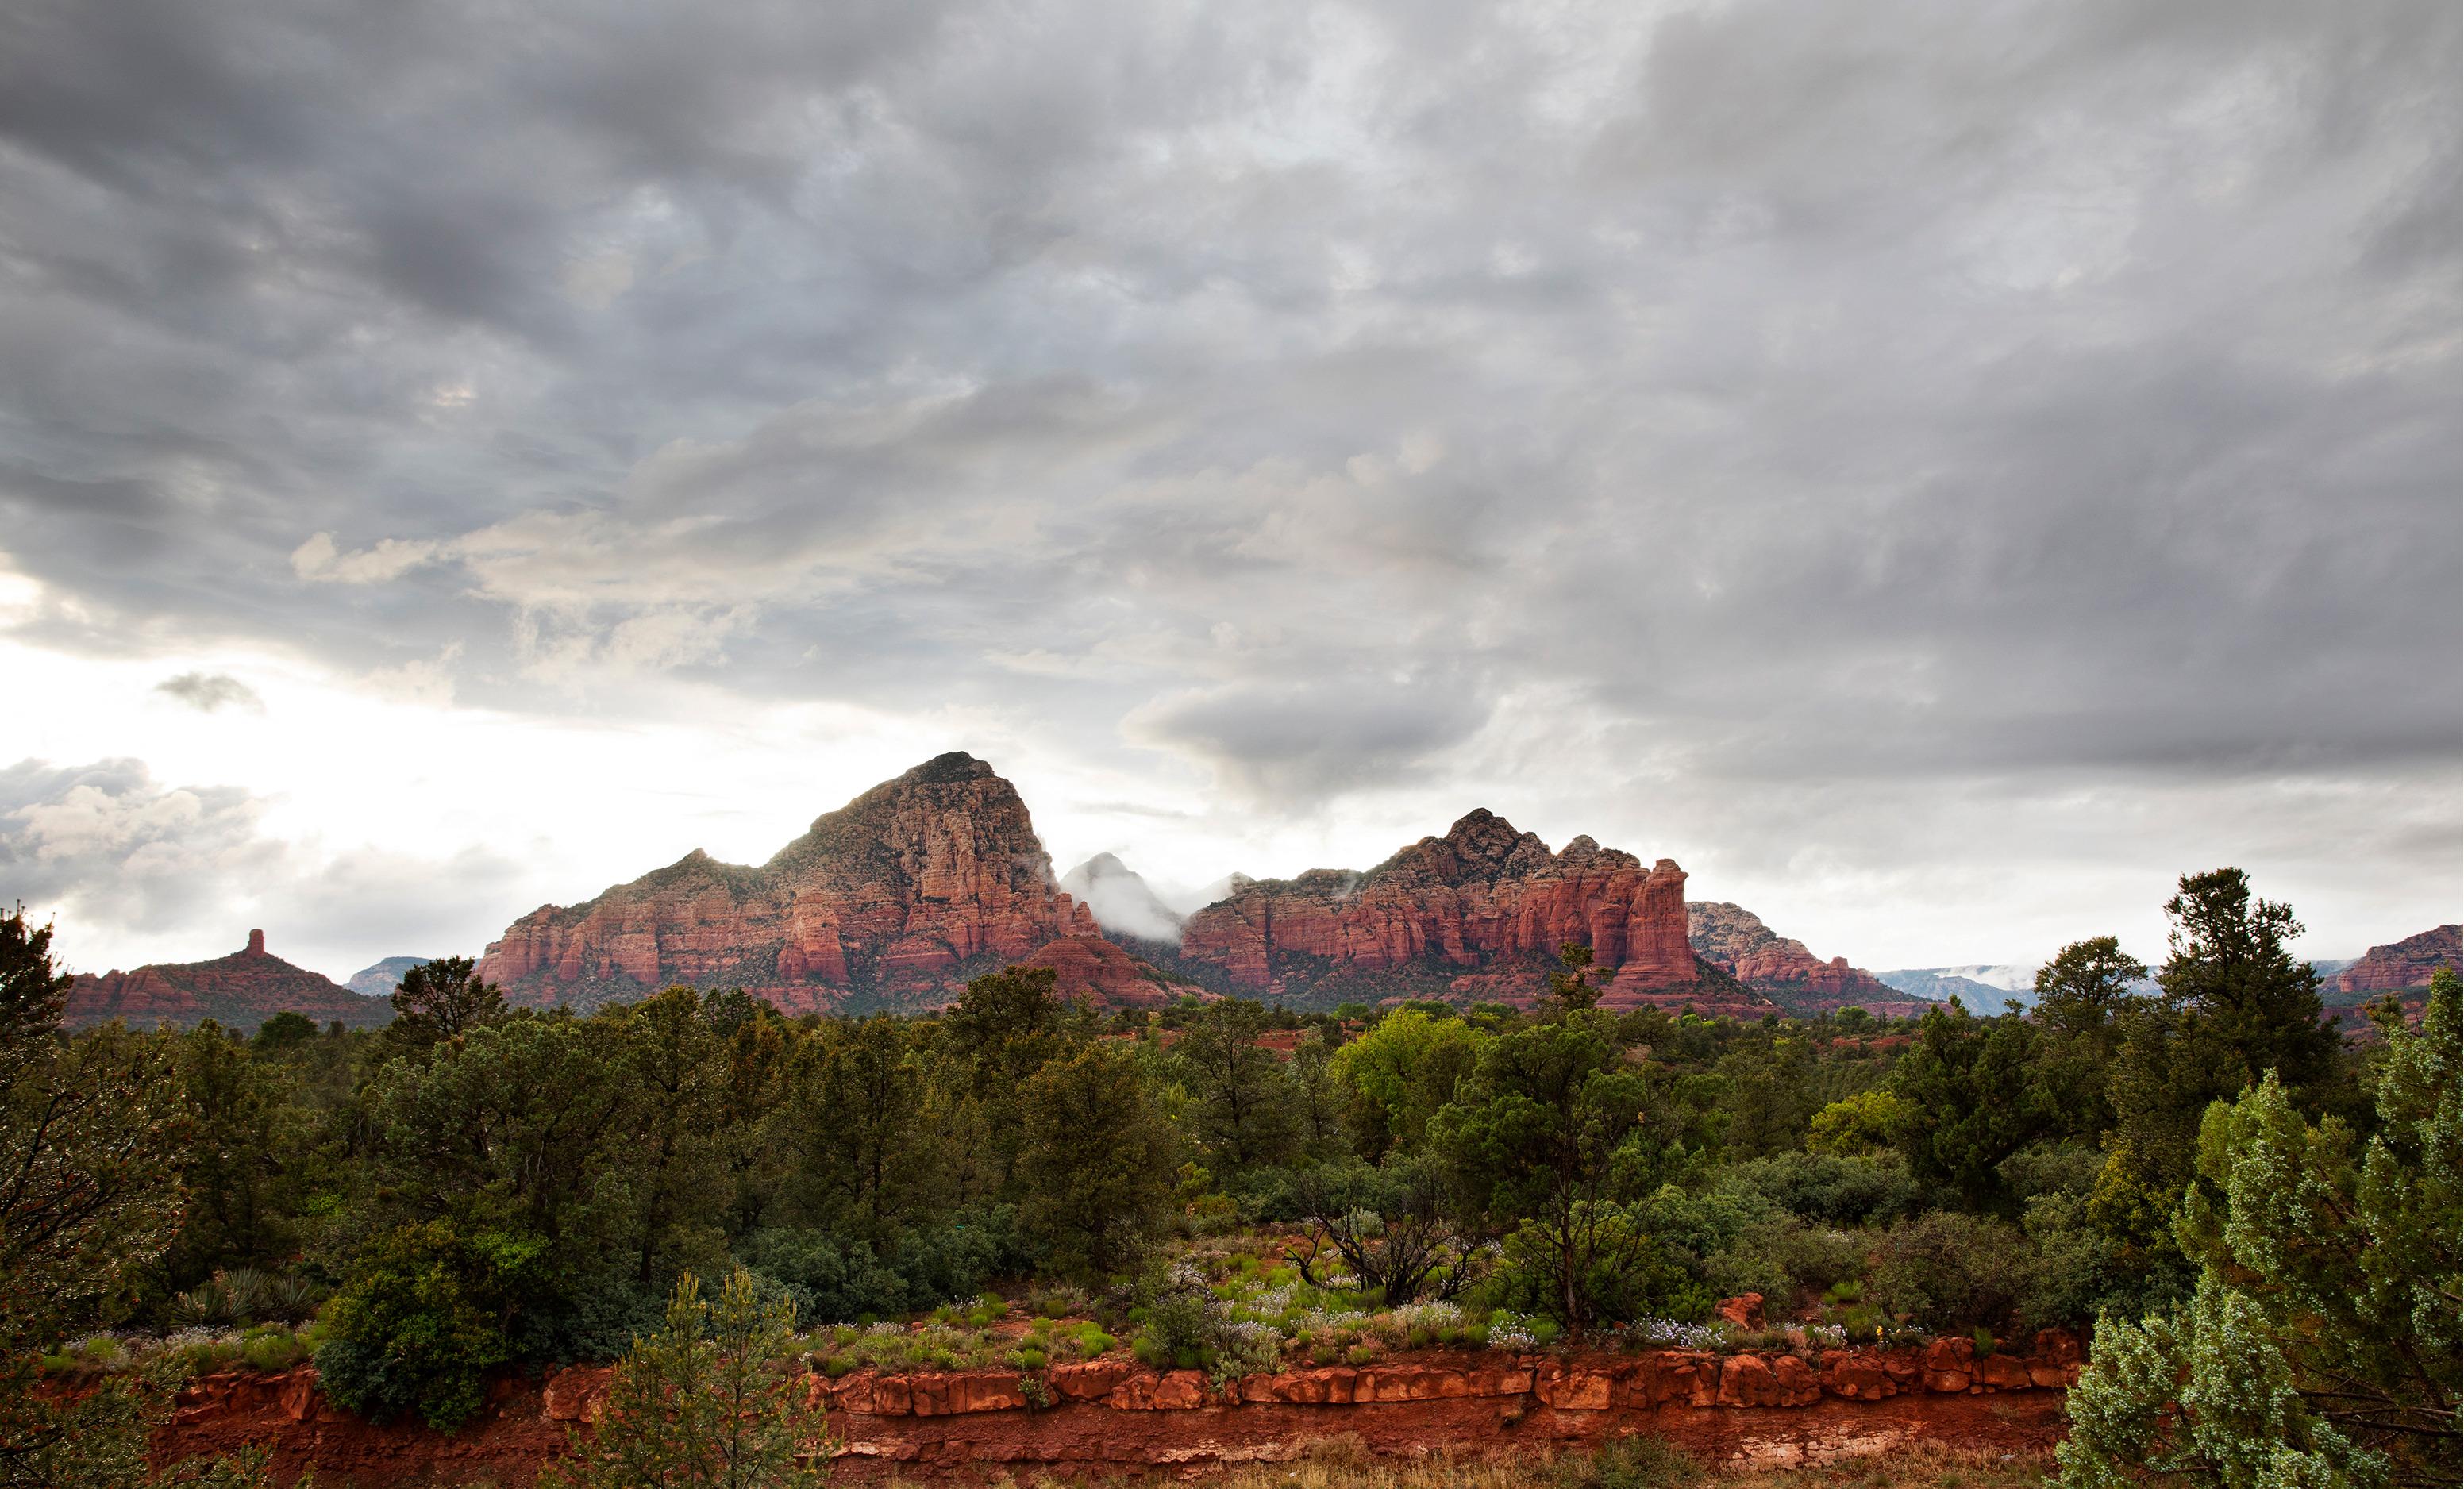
[[894, 898], [1484, 904], [1736, 940], [2403, 965], [239, 991]]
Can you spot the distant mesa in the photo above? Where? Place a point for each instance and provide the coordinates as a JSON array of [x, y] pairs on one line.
[[239, 992], [1941, 984], [1121, 901], [383, 978]]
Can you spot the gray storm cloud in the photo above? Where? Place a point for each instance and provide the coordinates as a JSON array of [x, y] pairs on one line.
[[1295, 401]]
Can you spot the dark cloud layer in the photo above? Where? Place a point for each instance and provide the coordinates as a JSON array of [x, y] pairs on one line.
[[1291, 392]]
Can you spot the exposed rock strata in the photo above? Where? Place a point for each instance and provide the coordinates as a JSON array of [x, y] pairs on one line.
[[1736, 940], [1750, 1410], [895, 898], [240, 992], [1483, 899], [2401, 966]]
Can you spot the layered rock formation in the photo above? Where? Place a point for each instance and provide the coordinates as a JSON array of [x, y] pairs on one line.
[[239, 992], [2400, 966], [1736, 940], [893, 900], [1110, 1417], [1096, 968], [1484, 904]]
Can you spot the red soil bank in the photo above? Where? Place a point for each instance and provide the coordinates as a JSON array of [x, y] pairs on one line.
[[1108, 1417]]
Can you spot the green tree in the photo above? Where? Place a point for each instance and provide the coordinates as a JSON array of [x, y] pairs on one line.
[[1403, 1069], [677, 1077], [2234, 1006], [90, 1137], [2258, 1009], [2082, 997], [1971, 1101], [423, 1320], [702, 1403], [2322, 1346], [1541, 1140], [857, 1119], [246, 1147], [1097, 1159], [1004, 1027], [1240, 1097], [442, 1001]]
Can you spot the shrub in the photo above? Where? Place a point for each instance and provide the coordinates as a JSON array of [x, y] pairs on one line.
[[1950, 1272], [698, 1403], [1833, 1190], [418, 1327]]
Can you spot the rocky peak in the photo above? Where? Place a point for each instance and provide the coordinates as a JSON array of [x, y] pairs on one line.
[[897, 896], [1121, 901]]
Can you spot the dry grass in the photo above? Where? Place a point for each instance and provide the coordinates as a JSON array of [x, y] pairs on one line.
[[1343, 1462]]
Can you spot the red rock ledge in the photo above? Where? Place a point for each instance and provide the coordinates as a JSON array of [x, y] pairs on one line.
[[1109, 1416]]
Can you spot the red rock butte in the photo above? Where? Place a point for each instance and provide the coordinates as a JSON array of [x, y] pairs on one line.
[[1481, 911], [892, 900]]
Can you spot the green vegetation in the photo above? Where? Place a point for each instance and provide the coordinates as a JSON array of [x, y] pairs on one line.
[[1015, 1183]]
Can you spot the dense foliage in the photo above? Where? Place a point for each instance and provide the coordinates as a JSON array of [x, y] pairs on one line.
[[479, 1187]]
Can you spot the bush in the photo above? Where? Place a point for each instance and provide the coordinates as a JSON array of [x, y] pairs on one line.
[[417, 1328], [1782, 1256], [1833, 1190], [1949, 1272]]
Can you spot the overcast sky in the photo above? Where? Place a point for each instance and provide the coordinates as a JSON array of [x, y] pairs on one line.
[[1937, 469]]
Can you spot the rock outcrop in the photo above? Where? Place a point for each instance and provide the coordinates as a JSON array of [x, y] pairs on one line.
[[1111, 1416], [2401, 966], [239, 991], [892, 900], [1736, 940], [1096, 968], [379, 980], [1483, 903]]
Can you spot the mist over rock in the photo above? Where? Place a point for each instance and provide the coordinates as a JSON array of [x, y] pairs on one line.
[[893, 900], [239, 992], [1122, 902], [379, 980]]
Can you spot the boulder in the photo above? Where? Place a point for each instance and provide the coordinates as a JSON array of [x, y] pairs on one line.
[[578, 1394], [1745, 1310], [1946, 1365], [1173, 1390]]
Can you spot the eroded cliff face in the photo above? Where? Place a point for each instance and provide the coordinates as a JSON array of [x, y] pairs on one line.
[[2403, 965], [1479, 912], [893, 899], [1736, 940], [1108, 1417], [239, 992]]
